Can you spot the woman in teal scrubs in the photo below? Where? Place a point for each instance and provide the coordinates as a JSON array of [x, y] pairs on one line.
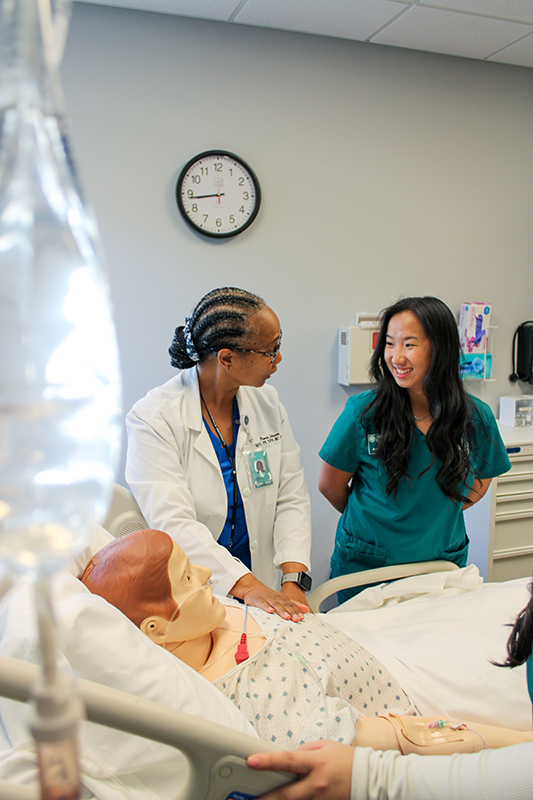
[[405, 459]]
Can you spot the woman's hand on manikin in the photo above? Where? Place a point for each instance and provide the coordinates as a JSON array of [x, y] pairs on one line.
[[325, 770], [295, 593], [254, 593]]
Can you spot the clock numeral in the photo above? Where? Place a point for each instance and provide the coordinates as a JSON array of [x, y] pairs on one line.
[[195, 178], [218, 166], [241, 181], [231, 219], [189, 192], [245, 196], [241, 209], [194, 207], [219, 223], [206, 217], [204, 170]]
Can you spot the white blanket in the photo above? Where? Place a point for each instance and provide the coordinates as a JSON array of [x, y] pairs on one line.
[[437, 634]]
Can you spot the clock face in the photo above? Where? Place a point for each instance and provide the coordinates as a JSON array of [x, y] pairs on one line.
[[218, 194]]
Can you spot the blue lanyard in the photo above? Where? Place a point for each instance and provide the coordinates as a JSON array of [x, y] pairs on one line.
[[232, 462]]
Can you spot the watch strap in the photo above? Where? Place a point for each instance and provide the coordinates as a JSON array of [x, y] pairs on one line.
[[303, 580]]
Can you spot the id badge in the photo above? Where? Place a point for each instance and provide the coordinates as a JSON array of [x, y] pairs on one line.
[[260, 474], [372, 441]]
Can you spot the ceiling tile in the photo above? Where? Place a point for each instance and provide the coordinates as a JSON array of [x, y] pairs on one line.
[[439, 31], [341, 18], [520, 54], [514, 10], [204, 9]]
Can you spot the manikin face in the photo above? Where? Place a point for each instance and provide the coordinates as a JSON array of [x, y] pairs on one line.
[[407, 351], [256, 368], [199, 612]]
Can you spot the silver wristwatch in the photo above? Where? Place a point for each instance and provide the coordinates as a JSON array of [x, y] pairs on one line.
[[303, 580]]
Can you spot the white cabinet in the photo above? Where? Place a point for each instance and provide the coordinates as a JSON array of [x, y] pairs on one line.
[[500, 526]]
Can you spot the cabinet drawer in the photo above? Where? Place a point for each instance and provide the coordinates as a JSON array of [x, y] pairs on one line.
[[512, 484], [519, 466], [507, 569], [513, 532], [514, 505]]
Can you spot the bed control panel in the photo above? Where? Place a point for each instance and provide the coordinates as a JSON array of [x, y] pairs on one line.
[[232, 779]]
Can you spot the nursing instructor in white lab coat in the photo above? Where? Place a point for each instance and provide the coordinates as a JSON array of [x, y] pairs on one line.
[[212, 459]]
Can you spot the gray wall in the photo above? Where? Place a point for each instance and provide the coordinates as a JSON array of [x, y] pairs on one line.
[[384, 172]]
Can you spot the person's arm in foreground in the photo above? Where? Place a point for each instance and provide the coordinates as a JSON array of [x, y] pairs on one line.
[[333, 771]]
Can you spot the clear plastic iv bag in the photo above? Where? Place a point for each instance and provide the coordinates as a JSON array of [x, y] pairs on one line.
[[59, 377]]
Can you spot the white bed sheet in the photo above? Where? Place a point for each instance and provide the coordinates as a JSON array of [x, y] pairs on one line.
[[409, 625], [437, 634]]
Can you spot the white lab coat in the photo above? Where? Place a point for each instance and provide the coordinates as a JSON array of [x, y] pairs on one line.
[[503, 774], [174, 474]]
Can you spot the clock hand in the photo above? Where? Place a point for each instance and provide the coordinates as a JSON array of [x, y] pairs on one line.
[[201, 196]]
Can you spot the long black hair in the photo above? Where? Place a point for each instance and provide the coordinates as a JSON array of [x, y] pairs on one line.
[[449, 404], [520, 642], [221, 319]]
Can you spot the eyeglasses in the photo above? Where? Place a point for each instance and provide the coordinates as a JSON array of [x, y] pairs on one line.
[[271, 355]]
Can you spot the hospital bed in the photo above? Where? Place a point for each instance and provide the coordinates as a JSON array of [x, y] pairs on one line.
[[136, 689]]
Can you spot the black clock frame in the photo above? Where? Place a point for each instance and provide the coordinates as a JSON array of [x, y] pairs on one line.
[[249, 170]]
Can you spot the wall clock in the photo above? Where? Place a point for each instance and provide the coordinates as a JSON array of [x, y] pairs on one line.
[[218, 194]]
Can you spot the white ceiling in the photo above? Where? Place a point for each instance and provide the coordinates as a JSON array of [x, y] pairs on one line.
[[489, 30]]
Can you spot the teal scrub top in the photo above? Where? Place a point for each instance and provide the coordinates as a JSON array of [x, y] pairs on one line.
[[420, 523]]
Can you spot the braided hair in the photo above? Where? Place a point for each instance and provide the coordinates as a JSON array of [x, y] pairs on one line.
[[450, 406], [221, 319]]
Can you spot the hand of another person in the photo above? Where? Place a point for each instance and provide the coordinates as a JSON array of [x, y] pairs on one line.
[[295, 593], [325, 770], [255, 593]]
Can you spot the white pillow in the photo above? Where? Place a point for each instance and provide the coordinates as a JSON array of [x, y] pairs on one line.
[[99, 643]]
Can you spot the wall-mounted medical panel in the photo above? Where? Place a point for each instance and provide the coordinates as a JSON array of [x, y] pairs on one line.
[[356, 343]]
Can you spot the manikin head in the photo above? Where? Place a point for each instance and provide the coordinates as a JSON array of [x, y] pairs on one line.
[[148, 577]]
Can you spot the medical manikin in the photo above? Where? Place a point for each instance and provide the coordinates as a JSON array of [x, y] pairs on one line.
[[286, 677]]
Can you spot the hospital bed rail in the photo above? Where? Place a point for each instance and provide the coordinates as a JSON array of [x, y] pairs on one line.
[[216, 754], [378, 575]]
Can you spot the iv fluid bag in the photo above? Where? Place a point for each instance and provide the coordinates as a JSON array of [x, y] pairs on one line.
[[59, 377]]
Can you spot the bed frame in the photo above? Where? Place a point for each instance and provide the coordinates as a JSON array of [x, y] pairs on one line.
[[216, 755], [379, 575]]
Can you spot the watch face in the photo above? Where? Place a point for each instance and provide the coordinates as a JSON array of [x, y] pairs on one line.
[[218, 194], [305, 581]]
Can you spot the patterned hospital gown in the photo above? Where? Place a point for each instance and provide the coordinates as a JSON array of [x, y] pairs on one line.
[[309, 681]]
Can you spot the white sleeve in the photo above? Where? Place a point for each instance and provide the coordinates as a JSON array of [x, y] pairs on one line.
[[157, 479], [292, 525], [503, 774]]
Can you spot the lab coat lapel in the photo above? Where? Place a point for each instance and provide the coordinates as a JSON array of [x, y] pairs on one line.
[[192, 416]]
